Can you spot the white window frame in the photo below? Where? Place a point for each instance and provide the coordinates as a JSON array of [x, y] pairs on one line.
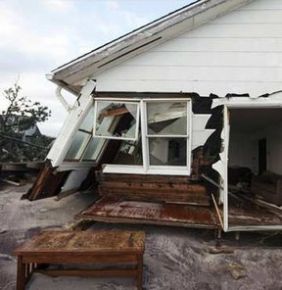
[[137, 103], [78, 156], [165, 169], [146, 168]]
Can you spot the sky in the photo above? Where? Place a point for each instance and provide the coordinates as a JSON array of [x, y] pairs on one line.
[[39, 35]]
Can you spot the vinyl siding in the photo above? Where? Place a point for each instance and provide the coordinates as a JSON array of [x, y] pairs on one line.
[[237, 53]]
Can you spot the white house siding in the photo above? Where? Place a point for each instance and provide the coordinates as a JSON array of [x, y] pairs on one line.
[[237, 53]]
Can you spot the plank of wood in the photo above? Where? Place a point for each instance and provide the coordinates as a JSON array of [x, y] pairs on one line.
[[175, 187], [85, 257], [217, 211], [90, 272], [101, 177], [114, 112]]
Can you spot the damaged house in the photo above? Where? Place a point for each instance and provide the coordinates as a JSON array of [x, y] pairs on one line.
[[177, 122]]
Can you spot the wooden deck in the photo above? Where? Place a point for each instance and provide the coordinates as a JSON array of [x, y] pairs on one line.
[[243, 211], [110, 209]]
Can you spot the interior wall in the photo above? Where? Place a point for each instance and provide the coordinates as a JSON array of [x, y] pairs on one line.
[[273, 136], [243, 148]]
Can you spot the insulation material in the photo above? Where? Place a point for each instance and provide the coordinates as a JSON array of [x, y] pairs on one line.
[[199, 132]]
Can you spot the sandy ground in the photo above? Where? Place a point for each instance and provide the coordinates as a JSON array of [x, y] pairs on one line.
[[175, 258]]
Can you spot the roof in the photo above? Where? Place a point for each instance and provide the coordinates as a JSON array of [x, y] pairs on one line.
[[72, 74]]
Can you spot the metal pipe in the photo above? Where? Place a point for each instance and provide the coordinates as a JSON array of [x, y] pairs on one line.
[[62, 99]]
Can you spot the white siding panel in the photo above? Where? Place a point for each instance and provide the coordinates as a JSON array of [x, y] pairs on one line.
[[251, 17], [237, 53], [264, 5], [207, 59], [204, 88], [185, 74], [208, 45], [200, 121], [199, 138], [238, 31]]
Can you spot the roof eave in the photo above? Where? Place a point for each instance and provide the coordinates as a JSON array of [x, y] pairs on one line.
[[143, 38]]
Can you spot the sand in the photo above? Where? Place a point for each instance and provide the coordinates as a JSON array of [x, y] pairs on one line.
[[175, 258]]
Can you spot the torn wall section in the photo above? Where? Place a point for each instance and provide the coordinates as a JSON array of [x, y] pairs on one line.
[[206, 146]]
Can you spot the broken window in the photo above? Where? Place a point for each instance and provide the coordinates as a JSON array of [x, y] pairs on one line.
[[116, 120], [154, 141], [82, 140], [93, 149], [79, 142], [167, 118], [117, 123], [164, 146]]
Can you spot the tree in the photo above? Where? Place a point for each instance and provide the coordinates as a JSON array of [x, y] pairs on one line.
[[21, 115]]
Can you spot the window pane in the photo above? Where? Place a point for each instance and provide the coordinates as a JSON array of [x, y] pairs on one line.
[[167, 118], [87, 124], [93, 149], [129, 153], [78, 144], [116, 119], [168, 151]]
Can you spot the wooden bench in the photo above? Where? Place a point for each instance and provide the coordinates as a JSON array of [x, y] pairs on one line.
[[116, 248]]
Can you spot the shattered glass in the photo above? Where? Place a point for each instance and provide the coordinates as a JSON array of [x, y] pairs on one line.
[[93, 149], [116, 119], [167, 118], [79, 142], [87, 124]]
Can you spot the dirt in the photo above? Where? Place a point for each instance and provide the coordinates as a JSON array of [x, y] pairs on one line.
[[175, 258]]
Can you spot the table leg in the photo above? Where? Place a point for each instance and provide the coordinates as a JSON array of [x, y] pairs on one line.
[[20, 274], [139, 272]]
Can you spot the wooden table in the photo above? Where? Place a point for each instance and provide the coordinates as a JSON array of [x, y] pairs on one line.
[[80, 248]]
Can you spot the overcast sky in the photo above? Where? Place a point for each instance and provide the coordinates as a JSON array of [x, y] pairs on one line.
[[39, 35]]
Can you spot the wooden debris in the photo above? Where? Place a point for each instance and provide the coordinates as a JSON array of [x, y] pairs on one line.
[[217, 211], [48, 183], [118, 248], [11, 182], [221, 250], [237, 271], [110, 209], [114, 112]]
